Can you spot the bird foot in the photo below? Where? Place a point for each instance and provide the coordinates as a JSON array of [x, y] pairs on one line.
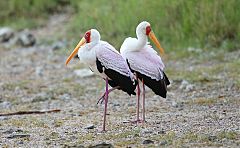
[[100, 130], [102, 98], [137, 121]]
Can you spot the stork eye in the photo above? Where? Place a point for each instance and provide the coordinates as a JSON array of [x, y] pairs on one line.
[[87, 36], [148, 30]]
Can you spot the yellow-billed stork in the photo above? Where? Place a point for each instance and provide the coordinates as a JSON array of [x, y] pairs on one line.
[[145, 63], [103, 59]]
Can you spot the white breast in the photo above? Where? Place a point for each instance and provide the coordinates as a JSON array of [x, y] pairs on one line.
[[87, 55], [129, 44]]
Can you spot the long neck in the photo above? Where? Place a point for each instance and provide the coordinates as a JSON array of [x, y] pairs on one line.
[[93, 43], [142, 39]]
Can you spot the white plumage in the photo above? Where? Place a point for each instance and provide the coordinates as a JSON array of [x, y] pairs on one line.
[[109, 57], [144, 61], [104, 60], [141, 56]]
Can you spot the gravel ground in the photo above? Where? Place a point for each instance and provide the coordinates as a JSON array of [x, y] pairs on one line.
[[200, 111]]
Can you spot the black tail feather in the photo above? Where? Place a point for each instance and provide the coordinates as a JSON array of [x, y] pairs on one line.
[[125, 83], [117, 79], [166, 79], [158, 87]]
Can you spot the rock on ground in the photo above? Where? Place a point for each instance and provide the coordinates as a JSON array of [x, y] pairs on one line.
[[6, 34]]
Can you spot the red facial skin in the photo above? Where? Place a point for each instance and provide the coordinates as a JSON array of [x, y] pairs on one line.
[[87, 36], [148, 30]]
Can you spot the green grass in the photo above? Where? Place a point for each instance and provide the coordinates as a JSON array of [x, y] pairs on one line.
[[11, 86], [177, 23], [27, 13], [231, 135], [196, 139], [203, 101], [208, 70]]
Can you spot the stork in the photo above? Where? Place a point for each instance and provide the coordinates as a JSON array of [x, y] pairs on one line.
[[145, 63], [104, 60]]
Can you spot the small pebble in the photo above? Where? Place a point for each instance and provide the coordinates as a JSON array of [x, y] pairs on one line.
[[147, 141], [212, 138], [186, 86], [163, 142], [125, 121], [84, 73], [65, 97], [147, 131], [6, 34], [18, 136], [21, 142], [26, 38], [59, 45], [102, 145], [5, 105], [39, 71], [162, 131], [91, 126], [10, 131]]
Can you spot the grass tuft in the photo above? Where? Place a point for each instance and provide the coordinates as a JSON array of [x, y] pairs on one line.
[[177, 23]]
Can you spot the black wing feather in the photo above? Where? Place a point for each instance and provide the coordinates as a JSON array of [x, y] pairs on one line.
[[118, 79], [158, 87]]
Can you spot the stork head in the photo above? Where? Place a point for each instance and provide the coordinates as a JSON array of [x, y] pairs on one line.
[[90, 37], [144, 28]]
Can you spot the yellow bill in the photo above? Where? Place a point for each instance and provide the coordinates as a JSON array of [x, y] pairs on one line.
[[75, 51], [156, 42]]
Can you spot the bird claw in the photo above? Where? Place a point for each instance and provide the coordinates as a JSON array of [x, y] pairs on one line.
[[100, 130], [137, 121], [101, 99]]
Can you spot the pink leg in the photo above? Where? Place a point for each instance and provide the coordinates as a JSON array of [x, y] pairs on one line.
[[138, 103], [102, 98], [143, 105], [138, 99], [105, 107]]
